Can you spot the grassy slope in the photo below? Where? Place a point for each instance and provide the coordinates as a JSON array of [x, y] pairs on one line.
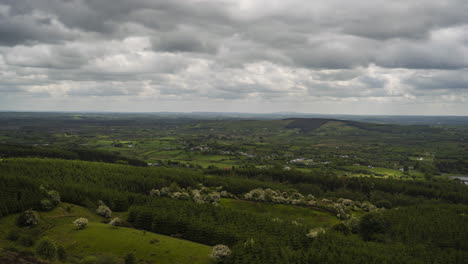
[[285, 212], [101, 238]]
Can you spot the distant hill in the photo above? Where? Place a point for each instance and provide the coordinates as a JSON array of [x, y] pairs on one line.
[[311, 124], [307, 124]]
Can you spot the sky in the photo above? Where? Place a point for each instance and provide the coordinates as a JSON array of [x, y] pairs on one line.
[[335, 56]]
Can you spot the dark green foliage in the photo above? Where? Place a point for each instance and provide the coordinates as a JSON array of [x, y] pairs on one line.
[[201, 223], [18, 194], [61, 253], [307, 124], [54, 197], [373, 225], [397, 192], [341, 227], [13, 235], [130, 259], [383, 204], [46, 249], [8, 150], [27, 218], [26, 240], [47, 205]]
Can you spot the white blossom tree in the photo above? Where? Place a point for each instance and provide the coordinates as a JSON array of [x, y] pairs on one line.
[[81, 223], [220, 252], [104, 211]]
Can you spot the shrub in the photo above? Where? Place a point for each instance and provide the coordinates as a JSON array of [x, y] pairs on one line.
[[61, 253], [174, 187], [154, 241], [26, 240], [366, 206], [81, 223], [104, 211], [13, 235], [54, 197], [46, 205], [383, 204], [164, 191], [255, 195], [46, 249], [130, 258], [372, 226], [213, 197], [115, 222], [342, 228], [313, 233], [27, 218], [220, 252], [155, 192], [353, 224]]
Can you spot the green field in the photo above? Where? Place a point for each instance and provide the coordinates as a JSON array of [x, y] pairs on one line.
[[102, 239]]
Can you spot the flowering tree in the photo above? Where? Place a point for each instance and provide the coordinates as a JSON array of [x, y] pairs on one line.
[[54, 197], [46, 205], [155, 192], [27, 218], [313, 233], [220, 252], [81, 223], [115, 222], [366, 206], [104, 211]]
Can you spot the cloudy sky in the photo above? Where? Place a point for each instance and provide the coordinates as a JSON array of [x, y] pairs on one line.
[[333, 56]]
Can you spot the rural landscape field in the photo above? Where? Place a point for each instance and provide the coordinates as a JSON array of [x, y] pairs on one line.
[[233, 132], [178, 188]]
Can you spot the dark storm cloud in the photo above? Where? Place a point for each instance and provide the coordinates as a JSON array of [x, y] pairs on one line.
[[235, 49], [30, 28]]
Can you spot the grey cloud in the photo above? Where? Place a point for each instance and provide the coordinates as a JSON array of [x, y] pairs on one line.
[[30, 29], [274, 50], [444, 80], [45, 56]]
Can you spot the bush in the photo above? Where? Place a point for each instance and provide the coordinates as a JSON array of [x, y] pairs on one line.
[[373, 225], [13, 235], [383, 204], [27, 218], [220, 252], [104, 211], [81, 223], [366, 206], [61, 253], [46, 249], [54, 197], [342, 228], [353, 224], [313, 233], [130, 258], [115, 222], [46, 205], [26, 240]]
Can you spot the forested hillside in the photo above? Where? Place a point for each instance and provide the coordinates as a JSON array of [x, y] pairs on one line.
[[418, 221]]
